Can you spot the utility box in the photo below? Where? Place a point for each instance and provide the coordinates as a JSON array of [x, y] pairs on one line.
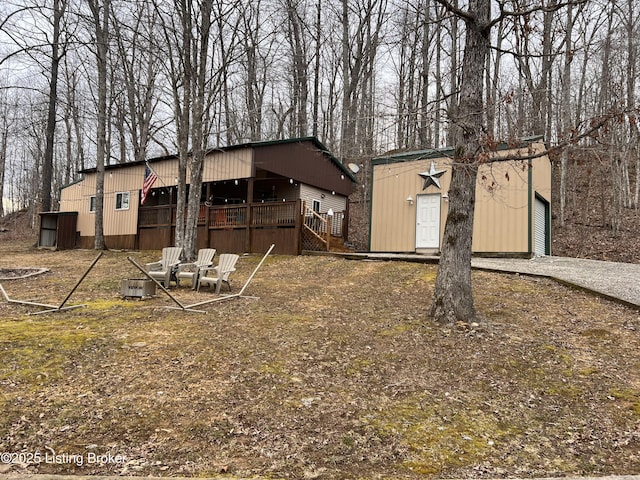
[[138, 287], [58, 230]]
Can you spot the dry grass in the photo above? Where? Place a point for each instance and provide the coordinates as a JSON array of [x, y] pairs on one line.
[[335, 372]]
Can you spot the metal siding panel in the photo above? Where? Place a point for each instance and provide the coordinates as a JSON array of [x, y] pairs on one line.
[[500, 218], [393, 218], [337, 203], [227, 165]]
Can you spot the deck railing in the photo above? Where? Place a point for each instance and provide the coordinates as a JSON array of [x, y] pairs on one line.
[[217, 218], [224, 216]]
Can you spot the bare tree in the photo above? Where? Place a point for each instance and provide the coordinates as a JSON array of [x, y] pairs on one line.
[[565, 107], [299, 67], [5, 122], [359, 49], [194, 81], [59, 7], [258, 55], [100, 14], [453, 296], [139, 58]]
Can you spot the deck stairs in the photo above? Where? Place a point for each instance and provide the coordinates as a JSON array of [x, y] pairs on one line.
[[321, 233]]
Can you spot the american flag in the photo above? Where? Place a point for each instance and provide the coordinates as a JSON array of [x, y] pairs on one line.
[[150, 178]]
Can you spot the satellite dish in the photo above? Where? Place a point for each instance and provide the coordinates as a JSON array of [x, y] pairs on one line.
[[354, 168]]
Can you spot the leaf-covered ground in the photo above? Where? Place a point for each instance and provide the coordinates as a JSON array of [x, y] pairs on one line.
[[333, 372]]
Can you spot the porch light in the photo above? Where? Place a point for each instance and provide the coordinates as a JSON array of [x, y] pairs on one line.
[[410, 200], [236, 182], [445, 196], [291, 181]]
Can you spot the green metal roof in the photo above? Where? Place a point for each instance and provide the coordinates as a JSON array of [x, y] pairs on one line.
[[427, 154]]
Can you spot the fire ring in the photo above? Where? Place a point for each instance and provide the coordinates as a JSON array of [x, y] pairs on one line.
[[20, 272]]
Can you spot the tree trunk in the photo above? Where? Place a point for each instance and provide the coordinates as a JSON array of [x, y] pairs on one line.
[[566, 111], [316, 70], [453, 296], [4, 133], [100, 11], [47, 164]]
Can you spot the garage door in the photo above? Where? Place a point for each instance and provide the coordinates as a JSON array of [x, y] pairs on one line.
[[541, 227]]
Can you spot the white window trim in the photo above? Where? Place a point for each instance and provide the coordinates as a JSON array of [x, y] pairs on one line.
[[123, 205]]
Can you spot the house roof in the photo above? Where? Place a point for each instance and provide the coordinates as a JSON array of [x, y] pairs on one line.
[[427, 154], [255, 145]]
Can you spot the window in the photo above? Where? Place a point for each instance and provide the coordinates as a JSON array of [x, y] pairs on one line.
[[316, 206], [122, 201], [92, 203]]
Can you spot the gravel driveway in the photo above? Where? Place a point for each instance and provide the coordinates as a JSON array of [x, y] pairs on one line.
[[620, 281]]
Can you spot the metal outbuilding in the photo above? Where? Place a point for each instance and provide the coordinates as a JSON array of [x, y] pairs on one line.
[[410, 194]]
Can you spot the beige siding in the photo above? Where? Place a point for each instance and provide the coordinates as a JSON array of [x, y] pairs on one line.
[[501, 215], [393, 226], [76, 198], [501, 220], [229, 165]]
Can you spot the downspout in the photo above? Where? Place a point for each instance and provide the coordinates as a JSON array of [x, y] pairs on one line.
[[530, 209]]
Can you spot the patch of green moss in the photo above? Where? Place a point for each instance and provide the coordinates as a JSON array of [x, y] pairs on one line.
[[596, 333], [629, 396], [430, 276], [358, 366], [275, 367], [564, 390], [438, 439], [37, 352], [106, 304], [395, 330]]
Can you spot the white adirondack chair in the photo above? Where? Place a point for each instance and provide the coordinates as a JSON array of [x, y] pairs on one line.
[[191, 271], [219, 274], [162, 269]]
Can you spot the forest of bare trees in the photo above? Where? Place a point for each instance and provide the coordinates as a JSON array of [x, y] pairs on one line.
[[87, 83]]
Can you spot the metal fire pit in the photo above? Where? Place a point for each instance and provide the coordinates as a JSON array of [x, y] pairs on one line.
[[138, 288]]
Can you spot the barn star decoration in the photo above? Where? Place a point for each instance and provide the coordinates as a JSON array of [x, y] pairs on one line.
[[432, 176]]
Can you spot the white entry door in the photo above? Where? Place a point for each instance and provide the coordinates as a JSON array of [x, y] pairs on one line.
[[428, 221]]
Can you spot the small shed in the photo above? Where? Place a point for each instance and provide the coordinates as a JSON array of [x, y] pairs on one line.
[[58, 230], [410, 194]]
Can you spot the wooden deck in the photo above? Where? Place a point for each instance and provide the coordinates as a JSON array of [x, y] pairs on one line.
[[233, 228]]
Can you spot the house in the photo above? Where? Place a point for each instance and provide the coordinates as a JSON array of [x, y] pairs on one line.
[[409, 202], [293, 193]]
